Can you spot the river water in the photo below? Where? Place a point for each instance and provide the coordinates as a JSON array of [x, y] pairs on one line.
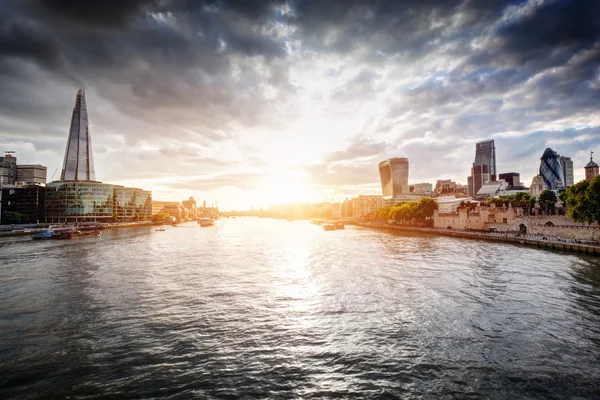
[[273, 309]]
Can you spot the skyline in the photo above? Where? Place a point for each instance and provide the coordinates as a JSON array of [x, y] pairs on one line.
[[284, 100]]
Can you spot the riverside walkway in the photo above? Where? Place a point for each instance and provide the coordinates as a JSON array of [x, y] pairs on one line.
[[546, 242]]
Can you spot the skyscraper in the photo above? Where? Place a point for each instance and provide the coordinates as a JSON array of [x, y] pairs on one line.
[[567, 167], [551, 169], [79, 163], [394, 177], [484, 167]]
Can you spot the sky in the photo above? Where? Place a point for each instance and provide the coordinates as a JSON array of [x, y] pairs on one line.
[[250, 103]]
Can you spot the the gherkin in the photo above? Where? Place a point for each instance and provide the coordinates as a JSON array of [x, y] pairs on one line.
[[79, 162]]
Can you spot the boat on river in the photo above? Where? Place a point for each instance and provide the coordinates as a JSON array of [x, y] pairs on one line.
[[328, 227], [76, 234], [48, 234], [339, 225], [205, 222], [160, 230]]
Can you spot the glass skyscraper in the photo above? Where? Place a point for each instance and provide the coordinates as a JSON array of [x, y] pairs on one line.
[[551, 169], [78, 197], [79, 163], [484, 167]]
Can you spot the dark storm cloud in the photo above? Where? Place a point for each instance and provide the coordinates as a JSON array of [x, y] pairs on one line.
[[200, 71]]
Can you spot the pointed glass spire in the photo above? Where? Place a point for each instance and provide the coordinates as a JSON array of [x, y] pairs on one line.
[[79, 162]]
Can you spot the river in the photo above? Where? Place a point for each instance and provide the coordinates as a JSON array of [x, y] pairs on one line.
[[257, 308]]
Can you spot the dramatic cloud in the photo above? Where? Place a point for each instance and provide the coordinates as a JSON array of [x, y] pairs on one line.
[[237, 100]]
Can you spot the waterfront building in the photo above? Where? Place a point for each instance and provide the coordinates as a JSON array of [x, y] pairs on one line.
[[78, 164], [347, 208], [365, 205], [191, 207], [591, 169], [28, 200], [69, 201], [336, 210], [484, 166], [77, 197], [567, 168], [538, 185], [8, 168], [31, 173], [131, 204], [159, 206]]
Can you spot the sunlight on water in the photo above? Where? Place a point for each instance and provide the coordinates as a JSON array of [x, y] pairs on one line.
[[276, 309]]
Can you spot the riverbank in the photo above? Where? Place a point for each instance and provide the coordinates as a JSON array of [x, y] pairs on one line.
[[33, 230], [493, 236]]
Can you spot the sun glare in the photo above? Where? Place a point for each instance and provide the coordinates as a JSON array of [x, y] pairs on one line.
[[285, 186]]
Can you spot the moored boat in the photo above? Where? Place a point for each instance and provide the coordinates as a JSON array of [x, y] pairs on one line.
[[48, 234], [328, 227], [76, 234], [339, 225], [205, 222]]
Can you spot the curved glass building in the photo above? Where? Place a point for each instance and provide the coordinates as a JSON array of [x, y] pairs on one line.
[[551, 169]]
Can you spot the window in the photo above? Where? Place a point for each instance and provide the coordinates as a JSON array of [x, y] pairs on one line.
[[504, 220]]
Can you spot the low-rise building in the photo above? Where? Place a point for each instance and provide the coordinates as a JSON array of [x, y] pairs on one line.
[[365, 205], [31, 173]]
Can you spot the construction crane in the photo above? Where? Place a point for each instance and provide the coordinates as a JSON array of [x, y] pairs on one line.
[[54, 173]]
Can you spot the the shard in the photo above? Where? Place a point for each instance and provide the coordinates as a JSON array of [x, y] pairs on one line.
[[79, 162]]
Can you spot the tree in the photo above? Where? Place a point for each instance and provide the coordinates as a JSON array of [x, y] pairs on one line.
[[583, 201], [548, 201], [12, 218]]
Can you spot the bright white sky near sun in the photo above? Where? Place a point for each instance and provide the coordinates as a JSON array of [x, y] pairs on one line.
[[262, 102]]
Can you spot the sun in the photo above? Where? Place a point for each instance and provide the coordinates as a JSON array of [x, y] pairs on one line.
[[285, 186]]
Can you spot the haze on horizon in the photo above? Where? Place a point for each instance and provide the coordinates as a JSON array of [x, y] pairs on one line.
[[251, 103]]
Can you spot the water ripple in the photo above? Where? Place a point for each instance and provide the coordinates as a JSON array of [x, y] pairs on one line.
[[273, 309]]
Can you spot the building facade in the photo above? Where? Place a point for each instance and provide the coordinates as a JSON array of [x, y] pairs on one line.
[[484, 166], [556, 170], [191, 207], [512, 178], [26, 200], [365, 205], [567, 168], [71, 201], [78, 164], [393, 174], [591, 169], [8, 168], [538, 185], [31, 173], [131, 204]]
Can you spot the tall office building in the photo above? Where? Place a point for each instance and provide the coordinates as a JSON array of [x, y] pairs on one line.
[[31, 173], [394, 179], [8, 168], [79, 163], [78, 197], [551, 169], [484, 167], [567, 168]]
